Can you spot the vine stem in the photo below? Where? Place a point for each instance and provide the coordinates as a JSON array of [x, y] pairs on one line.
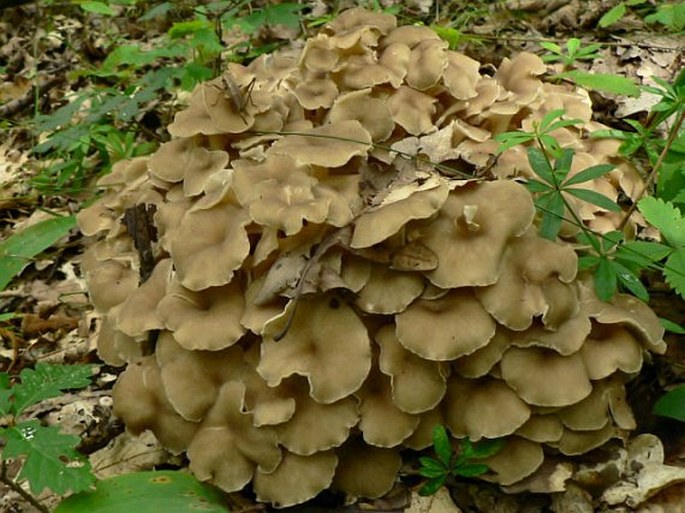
[[15, 486], [655, 170]]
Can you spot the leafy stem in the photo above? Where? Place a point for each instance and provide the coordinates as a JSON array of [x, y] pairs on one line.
[[17, 488], [654, 173]]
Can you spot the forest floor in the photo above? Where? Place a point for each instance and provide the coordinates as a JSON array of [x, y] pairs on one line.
[[48, 54]]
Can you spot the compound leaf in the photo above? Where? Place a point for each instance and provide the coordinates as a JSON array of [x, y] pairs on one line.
[[441, 444], [674, 271], [432, 486], [595, 198], [603, 82], [666, 217], [589, 174]]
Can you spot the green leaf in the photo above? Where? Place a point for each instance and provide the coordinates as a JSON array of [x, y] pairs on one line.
[[540, 164], [602, 82], [588, 262], [550, 47], [552, 207], [595, 198], [671, 16], [605, 280], [486, 448], [431, 467], [97, 8], [630, 281], [429, 488], [470, 470], [671, 326], [538, 186], [674, 271], [572, 46], [589, 173], [17, 251], [666, 218], [549, 118], [642, 252], [612, 15], [672, 404], [164, 491], [48, 380], [441, 444], [510, 139], [562, 166], [51, 460]]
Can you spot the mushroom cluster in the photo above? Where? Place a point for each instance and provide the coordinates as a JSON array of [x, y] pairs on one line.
[[327, 286]]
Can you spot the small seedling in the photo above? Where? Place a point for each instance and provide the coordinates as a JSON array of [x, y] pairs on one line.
[[452, 464]]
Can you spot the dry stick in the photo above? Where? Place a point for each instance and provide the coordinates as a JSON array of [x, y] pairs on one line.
[[14, 106], [655, 170], [14, 486]]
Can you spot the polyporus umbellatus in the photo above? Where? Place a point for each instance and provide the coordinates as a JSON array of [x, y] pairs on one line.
[[325, 292]]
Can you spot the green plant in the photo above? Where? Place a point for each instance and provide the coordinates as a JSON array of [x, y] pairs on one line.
[[574, 51], [166, 490], [50, 458], [18, 250], [450, 463], [672, 404], [670, 15]]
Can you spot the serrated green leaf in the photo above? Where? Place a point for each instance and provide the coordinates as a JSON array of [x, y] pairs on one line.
[[541, 166], [432, 486], [672, 404], [441, 444], [612, 15], [164, 491], [674, 271], [603, 82], [666, 218], [48, 380], [595, 198], [671, 326], [97, 8], [606, 279], [18, 250], [589, 173], [50, 458], [470, 470]]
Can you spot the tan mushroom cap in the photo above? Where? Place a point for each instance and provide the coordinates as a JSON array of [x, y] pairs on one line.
[[388, 291], [208, 319], [255, 315], [371, 112], [316, 93], [109, 282], [542, 377], [138, 314], [376, 225], [572, 443], [567, 339], [628, 311], [192, 379], [381, 422], [210, 245], [518, 459], [473, 229], [280, 194], [520, 74], [195, 118], [358, 17], [541, 429], [592, 413], [115, 347], [485, 408], [228, 447], [427, 62], [480, 362], [140, 402], [534, 281], [316, 427], [331, 145], [446, 328], [365, 471], [184, 160], [297, 478], [326, 342], [412, 110], [461, 76], [422, 437], [610, 348], [418, 385], [395, 58]]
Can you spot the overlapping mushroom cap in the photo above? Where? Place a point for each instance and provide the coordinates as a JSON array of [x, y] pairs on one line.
[[323, 294]]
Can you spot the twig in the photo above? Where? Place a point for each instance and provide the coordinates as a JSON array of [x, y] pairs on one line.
[[655, 170], [14, 106], [15, 487]]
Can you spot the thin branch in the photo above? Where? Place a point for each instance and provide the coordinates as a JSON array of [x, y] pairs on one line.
[[15, 487]]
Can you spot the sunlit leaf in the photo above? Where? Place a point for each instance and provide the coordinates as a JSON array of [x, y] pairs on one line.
[[589, 173], [612, 15], [595, 198], [603, 82]]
